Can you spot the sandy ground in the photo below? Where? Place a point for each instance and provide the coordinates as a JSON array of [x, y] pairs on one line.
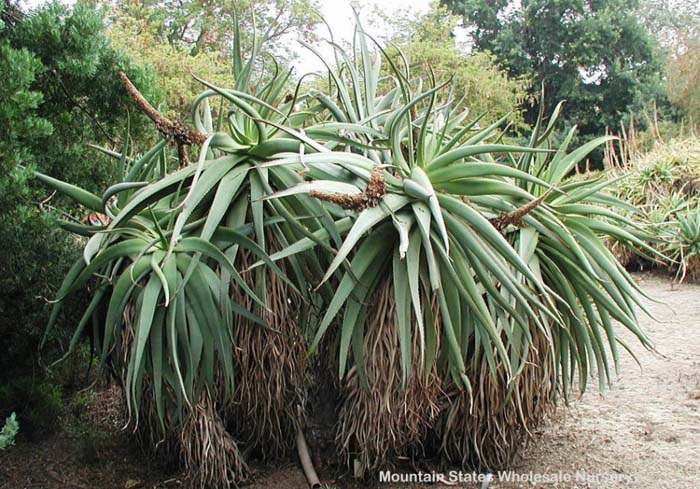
[[643, 433]]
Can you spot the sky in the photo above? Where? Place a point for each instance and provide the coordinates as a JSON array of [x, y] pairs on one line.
[[339, 16]]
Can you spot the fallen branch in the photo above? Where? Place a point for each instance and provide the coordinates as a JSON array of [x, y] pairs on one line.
[[305, 459]]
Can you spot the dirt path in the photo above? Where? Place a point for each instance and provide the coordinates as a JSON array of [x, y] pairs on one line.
[[643, 433]]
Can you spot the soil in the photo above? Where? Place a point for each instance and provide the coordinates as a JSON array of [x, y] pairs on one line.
[[641, 433], [644, 432], [91, 451]]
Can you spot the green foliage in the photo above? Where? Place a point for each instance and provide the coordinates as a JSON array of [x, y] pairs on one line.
[[9, 432], [428, 43], [18, 117], [668, 169], [81, 401], [663, 186], [54, 60], [75, 58], [40, 403], [173, 64], [595, 55], [60, 93], [207, 26], [675, 24], [37, 253], [671, 21], [684, 78], [179, 40], [25, 233]]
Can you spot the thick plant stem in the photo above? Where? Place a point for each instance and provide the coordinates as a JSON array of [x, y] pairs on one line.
[[305, 459]]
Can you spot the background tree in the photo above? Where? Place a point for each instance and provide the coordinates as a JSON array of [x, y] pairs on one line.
[[671, 21], [60, 92], [676, 24], [429, 43], [595, 54], [684, 79], [194, 37], [173, 64], [204, 25]]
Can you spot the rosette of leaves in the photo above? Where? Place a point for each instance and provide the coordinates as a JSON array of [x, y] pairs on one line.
[[209, 351], [473, 287]]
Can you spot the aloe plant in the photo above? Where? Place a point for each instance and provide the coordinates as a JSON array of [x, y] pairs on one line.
[[661, 189], [681, 243], [460, 283], [445, 213], [177, 310]]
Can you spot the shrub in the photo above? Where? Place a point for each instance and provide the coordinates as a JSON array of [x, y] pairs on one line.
[[662, 187], [39, 401], [8, 432]]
